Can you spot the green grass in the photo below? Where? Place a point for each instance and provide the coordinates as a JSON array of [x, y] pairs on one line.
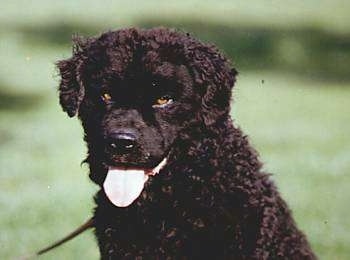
[[322, 13], [299, 127], [298, 122]]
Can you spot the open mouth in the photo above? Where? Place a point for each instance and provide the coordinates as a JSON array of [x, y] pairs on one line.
[[123, 185]]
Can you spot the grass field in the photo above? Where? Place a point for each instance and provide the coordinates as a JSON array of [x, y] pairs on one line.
[[299, 122]]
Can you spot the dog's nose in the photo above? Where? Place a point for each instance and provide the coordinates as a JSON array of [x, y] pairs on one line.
[[123, 141]]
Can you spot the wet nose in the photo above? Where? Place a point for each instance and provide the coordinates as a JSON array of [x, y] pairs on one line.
[[122, 141]]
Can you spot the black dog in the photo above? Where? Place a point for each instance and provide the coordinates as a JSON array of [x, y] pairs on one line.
[[178, 180]]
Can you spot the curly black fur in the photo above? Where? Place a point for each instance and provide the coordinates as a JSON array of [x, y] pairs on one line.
[[212, 200]]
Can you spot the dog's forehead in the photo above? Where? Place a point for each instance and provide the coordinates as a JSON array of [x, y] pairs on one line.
[[143, 74], [137, 68]]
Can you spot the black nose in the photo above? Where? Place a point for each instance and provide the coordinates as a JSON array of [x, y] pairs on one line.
[[122, 142]]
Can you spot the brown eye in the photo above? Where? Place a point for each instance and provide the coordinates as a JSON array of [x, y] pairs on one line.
[[162, 101], [106, 97]]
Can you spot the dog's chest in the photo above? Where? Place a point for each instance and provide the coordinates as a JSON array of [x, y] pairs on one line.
[[166, 228]]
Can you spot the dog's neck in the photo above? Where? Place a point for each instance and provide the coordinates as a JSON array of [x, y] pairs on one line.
[[209, 142]]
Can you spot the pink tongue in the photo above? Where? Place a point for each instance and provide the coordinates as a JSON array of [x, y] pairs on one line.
[[122, 187]]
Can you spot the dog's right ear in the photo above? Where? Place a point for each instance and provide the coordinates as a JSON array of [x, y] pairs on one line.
[[71, 90]]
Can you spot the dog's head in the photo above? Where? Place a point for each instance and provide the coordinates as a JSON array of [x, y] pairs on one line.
[[135, 92]]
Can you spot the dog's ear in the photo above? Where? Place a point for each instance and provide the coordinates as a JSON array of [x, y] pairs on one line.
[[214, 73], [71, 89]]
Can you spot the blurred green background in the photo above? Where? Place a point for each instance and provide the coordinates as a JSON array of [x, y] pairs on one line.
[[292, 98]]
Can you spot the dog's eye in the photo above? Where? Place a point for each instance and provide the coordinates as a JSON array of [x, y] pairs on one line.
[[106, 97], [163, 101]]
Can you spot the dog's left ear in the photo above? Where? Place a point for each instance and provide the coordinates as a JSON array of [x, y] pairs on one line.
[[71, 90], [214, 73]]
